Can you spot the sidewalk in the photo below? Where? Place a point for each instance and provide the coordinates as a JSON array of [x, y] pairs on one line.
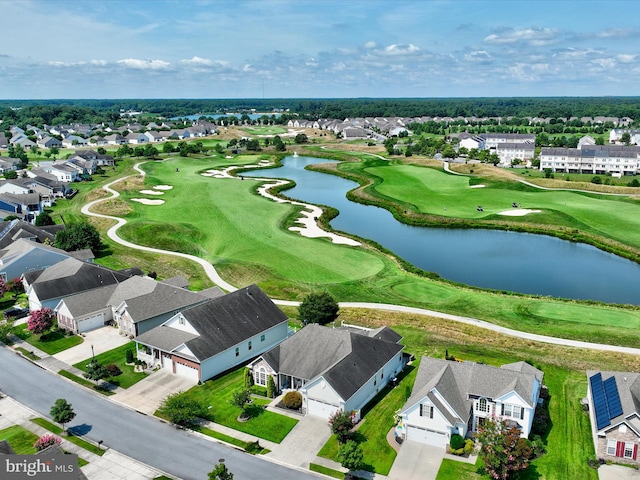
[[110, 466]]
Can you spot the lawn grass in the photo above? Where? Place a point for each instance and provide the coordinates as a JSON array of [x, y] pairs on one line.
[[430, 190], [51, 342], [53, 428], [266, 130], [249, 447], [329, 472], [378, 419], [117, 356], [218, 393], [27, 353], [20, 439], [84, 382]]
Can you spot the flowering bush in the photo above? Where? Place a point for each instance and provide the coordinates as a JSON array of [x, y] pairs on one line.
[[46, 440]]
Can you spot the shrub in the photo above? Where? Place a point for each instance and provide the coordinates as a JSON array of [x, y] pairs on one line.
[[129, 356], [113, 370], [341, 424], [292, 400], [469, 445], [634, 183], [597, 180], [456, 441], [46, 440], [541, 422], [538, 446], [271, 387]]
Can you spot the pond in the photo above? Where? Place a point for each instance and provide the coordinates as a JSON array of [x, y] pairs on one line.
[[512, 261]]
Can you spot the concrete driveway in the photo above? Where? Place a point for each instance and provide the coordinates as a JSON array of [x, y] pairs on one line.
[[617, 472], [417, 461], [147, 395], [102, 339], [303, 443]]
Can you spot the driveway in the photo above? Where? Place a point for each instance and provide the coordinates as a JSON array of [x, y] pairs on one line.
[[617, 472], [417, 461], [303, 443], [102, 339], [147, 395]]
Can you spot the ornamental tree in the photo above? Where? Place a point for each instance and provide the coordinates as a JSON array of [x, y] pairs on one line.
[[96, 371], [46, 440], [318, 308], [341, 424], [181, 409], [220, 472], [503, 451], [350, 456], [40, 321], [62, 412]]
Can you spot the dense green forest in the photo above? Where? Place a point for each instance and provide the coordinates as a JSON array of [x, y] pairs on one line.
[[37, 112]]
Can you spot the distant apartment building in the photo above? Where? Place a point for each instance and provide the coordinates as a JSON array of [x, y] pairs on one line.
[[508, 146], [616, 160]]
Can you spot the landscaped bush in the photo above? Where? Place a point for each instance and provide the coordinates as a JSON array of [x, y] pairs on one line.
[[129, 356], [259, 390], [292, 400], [113, 369], [541, 422], [456, 441], [46, 440], [469, 445]]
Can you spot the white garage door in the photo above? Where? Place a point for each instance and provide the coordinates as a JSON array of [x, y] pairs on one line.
[[322, 409], [424, 435], [186, 371], [90, 323]]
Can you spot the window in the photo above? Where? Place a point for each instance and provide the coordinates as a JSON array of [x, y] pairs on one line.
[[262, 337], [426, 410], [611, 447], [482, 405], [628, 449], [249, 344], [513, 411], [261, 377], [237, 351]]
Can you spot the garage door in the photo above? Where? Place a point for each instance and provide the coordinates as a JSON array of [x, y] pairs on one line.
[[424, 435], [91, 323], [320, 408], [186, 371]]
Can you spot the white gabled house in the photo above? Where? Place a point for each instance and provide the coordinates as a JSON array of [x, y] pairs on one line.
[[451, 397], [333, 368]]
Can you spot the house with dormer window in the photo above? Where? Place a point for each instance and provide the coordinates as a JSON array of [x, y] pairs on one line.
[[451, 397]]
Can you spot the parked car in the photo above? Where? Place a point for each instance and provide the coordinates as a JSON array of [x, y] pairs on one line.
[[16, 312]]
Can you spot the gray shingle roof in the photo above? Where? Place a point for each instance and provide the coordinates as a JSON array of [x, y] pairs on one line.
[[347, 359], [460, 382], [165, 338], [90, 301], [146, 298]]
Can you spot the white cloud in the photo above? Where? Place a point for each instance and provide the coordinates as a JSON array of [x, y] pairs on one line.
[[401, 49], [604, 63], [618, 33], [138, 64], [371, 44], [626, 58], [537, 37], [478, 56]]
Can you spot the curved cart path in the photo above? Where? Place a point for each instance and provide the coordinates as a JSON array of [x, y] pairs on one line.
[[215, 277]]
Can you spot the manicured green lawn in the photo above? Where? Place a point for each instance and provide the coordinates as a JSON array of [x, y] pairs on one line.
[[51, 342], [378, 419], [117, 356], [453, 470], [20, 439], [431, 191], [53, 428], [267, 130], [263, 424]]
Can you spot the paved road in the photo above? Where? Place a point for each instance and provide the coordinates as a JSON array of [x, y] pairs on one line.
[[213, 275], [143, 438]]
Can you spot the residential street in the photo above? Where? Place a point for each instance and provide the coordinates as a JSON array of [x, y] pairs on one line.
[[144, 438]]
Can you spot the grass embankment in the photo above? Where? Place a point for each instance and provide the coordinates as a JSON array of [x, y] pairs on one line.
[[117, 356], [240, 233], [218, 393]]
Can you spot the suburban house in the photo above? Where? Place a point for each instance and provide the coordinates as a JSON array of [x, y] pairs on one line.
[[614, 409], [45, 288], [141, 303], [86, 310], [333, 368], [49, 142], [452, 397], [24, 255], [26, 206], [222, 333], [9, 163], [14, 229], [64, 172]]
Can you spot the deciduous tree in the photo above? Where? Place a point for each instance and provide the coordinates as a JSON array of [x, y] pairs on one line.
[[502, 450], [318, 308], [78, 236], [350, 456], [181, 409], [96, 371], [62, 412], [341, 425], [220, 472], [40, 321]]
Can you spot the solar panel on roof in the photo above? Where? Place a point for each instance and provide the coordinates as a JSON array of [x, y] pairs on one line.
[[613, 397], [599, 401]]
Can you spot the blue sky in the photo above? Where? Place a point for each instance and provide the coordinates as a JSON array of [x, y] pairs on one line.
[[318, 48]]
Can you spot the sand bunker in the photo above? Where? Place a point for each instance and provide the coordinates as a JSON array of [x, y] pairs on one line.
[[146, 201], [518, 212], [151, 192], [311, 229], [163, 187], [477, 186]]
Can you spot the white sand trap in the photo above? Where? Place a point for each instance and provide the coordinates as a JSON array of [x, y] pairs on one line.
[[151, 192], [518, 212], [310, 228], [146, 201], [163, 187], [477, 186]]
